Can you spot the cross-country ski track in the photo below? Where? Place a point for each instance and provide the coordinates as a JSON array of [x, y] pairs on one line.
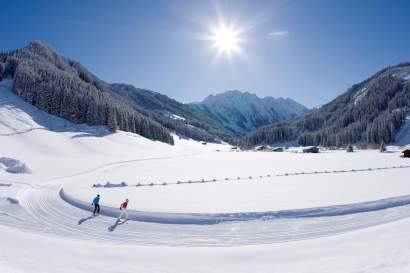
[[42, 209]]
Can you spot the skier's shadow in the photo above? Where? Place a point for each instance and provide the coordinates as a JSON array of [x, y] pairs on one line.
[[82, 220], [116, 224]]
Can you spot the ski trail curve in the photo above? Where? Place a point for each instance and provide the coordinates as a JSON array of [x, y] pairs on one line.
[[215, 218], [25, 131], [121, 162], [42, 210]]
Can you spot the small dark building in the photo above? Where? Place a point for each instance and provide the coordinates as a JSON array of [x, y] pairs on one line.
[[349, 149], [278, 149], [261, 148], [406, 153], [313, 150]]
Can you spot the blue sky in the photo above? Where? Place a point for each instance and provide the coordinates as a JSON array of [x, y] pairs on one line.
[[309, 50]]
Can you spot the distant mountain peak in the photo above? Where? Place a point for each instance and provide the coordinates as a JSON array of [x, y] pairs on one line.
[[40, 48], [37, 44], [241, 112], [244, 94]]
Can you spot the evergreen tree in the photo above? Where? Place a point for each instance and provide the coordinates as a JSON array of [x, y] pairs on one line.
[[112, 120], [371, 111], [64, 88], [382, 148]]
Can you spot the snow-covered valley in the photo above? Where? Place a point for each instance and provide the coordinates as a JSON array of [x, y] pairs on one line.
[[265, 212]]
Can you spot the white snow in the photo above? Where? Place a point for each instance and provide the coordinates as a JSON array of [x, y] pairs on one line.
[[171, 115], [359, 95], [17, 116], [267, 224], [242, 111], [403, 136], [403, 75], [174, 116], [274, 193], [12, 165]]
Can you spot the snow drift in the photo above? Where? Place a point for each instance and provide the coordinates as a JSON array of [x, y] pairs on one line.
[[12, 165]]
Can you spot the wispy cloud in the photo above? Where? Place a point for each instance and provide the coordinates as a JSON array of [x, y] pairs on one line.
[[278, 33]]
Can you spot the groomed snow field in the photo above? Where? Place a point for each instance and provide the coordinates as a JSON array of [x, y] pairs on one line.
[[193, 207]]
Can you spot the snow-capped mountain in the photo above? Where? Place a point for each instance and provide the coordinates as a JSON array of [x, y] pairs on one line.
[[176, 116], [370, 112], [64, 88], [241, 112]]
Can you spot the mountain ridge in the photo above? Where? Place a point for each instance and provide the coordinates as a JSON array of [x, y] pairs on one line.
[[370, 112], [242, 112], [65, 88]]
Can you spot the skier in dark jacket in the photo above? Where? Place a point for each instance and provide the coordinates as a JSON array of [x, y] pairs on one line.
[[96, 204]]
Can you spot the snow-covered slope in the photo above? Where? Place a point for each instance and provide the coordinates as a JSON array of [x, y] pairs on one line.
[[369, 112], [40, 231], [242, 112], [28, 134], [403, 136], [16, 116]]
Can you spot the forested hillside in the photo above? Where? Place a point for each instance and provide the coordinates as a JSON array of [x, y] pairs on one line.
[[64, 88], [174, 115], [370, 112]]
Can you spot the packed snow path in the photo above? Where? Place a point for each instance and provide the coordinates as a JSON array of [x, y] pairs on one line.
[[42, 210], [216, 218], [25, 131], [233, 179]]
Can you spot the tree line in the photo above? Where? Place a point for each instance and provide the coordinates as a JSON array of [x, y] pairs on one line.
[[370, 112]]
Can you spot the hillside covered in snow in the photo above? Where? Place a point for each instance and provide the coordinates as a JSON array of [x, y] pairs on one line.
[[192, 206], [369, 112], [64, 88]]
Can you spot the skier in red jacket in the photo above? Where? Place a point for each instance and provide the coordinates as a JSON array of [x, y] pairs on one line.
[[123, 213]]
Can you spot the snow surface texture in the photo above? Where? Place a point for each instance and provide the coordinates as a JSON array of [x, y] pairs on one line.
[[12, 165], [335, 222], [403, 136], [20, 117], [111, 185], [359, 95], [170, 115], [298, 189], [403, 74], [202, 218]]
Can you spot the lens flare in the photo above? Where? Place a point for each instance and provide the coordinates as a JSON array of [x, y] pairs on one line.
[[226, 39]]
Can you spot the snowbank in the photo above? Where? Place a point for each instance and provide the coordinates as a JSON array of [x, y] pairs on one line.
[[205, 218], [403, 136], [12, 165]]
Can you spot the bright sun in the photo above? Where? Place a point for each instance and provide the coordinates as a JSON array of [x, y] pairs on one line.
[[226, 39]]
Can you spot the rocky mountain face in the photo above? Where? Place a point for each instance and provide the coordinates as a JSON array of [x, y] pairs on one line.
[[175, 115], [369, 112], [242, 112]]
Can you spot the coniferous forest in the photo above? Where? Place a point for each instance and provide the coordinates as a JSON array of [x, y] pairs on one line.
[[370, 112]]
